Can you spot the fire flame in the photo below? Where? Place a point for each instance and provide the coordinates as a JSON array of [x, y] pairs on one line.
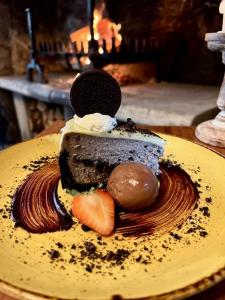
[[104, 29]]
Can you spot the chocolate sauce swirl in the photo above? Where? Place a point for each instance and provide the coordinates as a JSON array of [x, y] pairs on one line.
[[36, 206], [37, 209], [175, 202]]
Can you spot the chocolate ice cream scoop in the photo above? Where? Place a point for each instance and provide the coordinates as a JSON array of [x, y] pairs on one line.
[[133, 185]]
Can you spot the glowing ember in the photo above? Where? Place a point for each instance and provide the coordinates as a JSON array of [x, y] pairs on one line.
[[85, 60], [100, 50]]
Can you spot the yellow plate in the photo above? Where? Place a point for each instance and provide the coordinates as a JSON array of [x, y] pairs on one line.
[[177, 268]]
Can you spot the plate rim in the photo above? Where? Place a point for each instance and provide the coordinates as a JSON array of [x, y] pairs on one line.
[[181, 293], [190, 290]]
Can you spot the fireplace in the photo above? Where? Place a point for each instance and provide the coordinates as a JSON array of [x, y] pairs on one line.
[[99, 44], [139, 42], [171, 32], [165, 33]]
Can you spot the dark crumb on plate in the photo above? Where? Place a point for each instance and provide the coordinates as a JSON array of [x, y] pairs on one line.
[[197, 184], [59, 245], [73, 247], [89, 268], [54, 254], [176, 236], [90, 247], [205, 211], [203, 233], [160, 259], [165, 247], [119, 256], [138, 259], [191, 230], [171, 163], [85, 228], [72, 259], [208, 200]]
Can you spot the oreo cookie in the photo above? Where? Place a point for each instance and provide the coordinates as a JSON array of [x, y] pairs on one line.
[[95, 91]]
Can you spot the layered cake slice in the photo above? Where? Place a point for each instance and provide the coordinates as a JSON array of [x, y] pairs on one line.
[[93, 143], [88, 157]]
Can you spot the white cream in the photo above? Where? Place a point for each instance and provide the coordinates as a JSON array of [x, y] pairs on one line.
[[96, 122], [87, 127]]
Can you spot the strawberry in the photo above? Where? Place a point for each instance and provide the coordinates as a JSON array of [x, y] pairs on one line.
[[96, 210]]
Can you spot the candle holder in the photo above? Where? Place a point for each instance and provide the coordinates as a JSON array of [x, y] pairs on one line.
[[213, 131]]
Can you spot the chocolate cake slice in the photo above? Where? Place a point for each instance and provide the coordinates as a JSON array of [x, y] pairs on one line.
[[93, 142], [87, 158]]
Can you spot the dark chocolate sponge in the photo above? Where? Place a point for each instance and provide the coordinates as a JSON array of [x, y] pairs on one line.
[[95, 91]]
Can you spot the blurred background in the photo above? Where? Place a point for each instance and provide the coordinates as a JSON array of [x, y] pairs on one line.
[[156, 50]]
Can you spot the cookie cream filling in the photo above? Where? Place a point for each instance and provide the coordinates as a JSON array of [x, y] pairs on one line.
[[104, 126]]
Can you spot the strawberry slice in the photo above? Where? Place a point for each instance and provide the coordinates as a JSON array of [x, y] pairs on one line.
[[96, 210]]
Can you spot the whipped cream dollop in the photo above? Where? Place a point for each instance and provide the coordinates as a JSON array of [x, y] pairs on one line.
[[96, 122]]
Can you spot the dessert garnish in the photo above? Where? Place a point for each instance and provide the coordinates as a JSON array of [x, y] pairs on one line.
[[95, 91], [93, 142], [133, 186], [96, 210], [107, 163], [178, 196]]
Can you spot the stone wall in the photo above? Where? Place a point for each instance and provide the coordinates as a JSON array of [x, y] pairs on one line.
[[54, 20], [5, 51], [9, 132]]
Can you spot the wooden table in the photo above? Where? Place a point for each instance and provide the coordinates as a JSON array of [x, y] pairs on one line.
[[215, 293]]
